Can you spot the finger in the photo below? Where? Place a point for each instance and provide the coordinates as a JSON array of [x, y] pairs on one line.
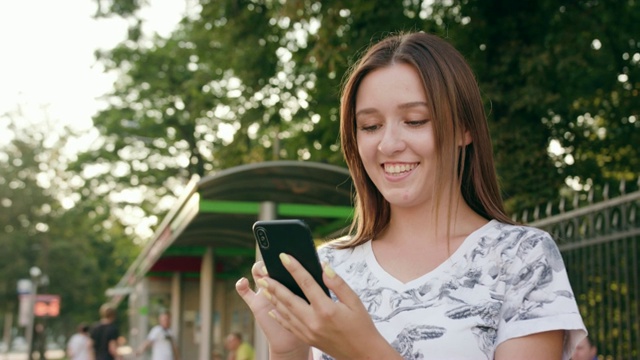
[[259, 304], [340, 288], [288, 319], [258, 270], [278, 294], [291, 312], [285, 302], [287, 308], [256, 300], [307, 283], [244, 290]]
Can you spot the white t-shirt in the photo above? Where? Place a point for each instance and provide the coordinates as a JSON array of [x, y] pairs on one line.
[[79, 347], [161, 348], [503, 282]]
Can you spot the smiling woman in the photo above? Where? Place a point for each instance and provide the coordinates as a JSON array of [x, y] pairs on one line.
[[433, 261]]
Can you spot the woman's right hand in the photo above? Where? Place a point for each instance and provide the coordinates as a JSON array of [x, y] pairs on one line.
[[282, 343]]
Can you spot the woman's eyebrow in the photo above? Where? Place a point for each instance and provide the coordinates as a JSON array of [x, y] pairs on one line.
[[404, 106], [412, 104], [366, 111]]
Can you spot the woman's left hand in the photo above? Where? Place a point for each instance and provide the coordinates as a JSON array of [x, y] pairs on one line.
[[342, 329]]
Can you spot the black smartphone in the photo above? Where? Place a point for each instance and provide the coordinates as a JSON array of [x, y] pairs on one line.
[[292, 237]]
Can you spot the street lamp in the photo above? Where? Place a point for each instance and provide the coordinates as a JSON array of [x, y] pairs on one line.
[[36, 277]]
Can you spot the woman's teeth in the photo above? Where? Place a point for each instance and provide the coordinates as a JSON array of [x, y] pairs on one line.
[[399, 168]]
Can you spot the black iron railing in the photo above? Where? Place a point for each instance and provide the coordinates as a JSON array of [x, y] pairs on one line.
[[600, 244]]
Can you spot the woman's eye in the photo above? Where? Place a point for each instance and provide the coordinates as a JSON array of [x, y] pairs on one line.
[[369, 128], [416, 122]]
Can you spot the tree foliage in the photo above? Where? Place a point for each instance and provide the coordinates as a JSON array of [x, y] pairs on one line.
[[566, 71], [24, 219], [243, 81], [45, 222]]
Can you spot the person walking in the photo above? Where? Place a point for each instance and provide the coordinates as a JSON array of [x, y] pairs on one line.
[[80, 346], [161, 340], [104, 335], [433, 268], [39, 341]]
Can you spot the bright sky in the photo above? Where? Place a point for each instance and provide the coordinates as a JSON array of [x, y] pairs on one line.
[[48, 71], [47, 56]]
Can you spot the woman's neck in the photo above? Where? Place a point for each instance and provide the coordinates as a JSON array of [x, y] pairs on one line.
[[435, 226]]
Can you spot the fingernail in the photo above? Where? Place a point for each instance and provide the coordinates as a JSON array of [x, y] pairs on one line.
[[267, 294], [329, 271], [285, 259], [264, 270], [263, 283], [272, 314]]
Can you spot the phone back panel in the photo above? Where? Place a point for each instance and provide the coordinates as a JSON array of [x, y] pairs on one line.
[[292, 237]]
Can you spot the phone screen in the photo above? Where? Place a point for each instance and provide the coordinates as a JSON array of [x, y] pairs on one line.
[[292, 237]]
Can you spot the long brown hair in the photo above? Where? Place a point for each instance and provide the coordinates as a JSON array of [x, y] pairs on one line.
[[454, 100]]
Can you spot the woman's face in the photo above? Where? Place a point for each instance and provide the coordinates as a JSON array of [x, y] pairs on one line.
[[395, 135]]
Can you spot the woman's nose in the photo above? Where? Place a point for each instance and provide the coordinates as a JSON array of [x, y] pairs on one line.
[[391, 140]]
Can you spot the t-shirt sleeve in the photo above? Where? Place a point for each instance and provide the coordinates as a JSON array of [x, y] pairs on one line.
[[154, 333], [538, 295]]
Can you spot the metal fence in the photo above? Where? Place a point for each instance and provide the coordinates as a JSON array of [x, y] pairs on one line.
[[600, 244]]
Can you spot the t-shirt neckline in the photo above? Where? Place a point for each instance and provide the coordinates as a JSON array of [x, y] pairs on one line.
[[468, 242]]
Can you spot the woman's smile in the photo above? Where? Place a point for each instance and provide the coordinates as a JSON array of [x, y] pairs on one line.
[[397, 169]]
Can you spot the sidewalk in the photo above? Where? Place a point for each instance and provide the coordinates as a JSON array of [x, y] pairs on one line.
[[50, 355], [59, 354]]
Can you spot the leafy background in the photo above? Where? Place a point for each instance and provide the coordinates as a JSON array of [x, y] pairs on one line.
[[243, 81]]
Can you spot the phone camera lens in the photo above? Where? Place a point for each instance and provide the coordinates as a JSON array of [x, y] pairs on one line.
[[262, 238]]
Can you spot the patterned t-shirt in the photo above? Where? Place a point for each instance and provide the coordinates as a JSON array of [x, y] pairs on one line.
[[503, 282]]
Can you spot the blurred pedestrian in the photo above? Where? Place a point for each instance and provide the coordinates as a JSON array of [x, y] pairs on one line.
[[39, 341], [105, 335], [161, 340], [80, 346], [586, 350], [238, 349]]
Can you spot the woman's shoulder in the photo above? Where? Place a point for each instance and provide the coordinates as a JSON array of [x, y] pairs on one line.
[[341, 243], [518, 241], [517, 233], [334, 249]]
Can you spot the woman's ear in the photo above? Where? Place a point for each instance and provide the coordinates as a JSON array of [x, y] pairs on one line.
[[466, 139]]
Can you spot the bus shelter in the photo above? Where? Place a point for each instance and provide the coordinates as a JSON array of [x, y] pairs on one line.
[[205, 244]]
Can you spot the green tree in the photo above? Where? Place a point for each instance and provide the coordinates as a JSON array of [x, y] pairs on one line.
[[25, 217], [237, 82], [45, 221], [566, 71], [247, 81]]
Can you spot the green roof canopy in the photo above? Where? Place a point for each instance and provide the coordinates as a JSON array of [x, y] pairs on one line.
[[219, 210]]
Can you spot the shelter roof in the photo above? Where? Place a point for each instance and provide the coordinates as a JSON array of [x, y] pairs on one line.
[[219, 210]]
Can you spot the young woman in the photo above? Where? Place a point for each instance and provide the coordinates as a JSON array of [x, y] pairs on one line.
[[434, 269]]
